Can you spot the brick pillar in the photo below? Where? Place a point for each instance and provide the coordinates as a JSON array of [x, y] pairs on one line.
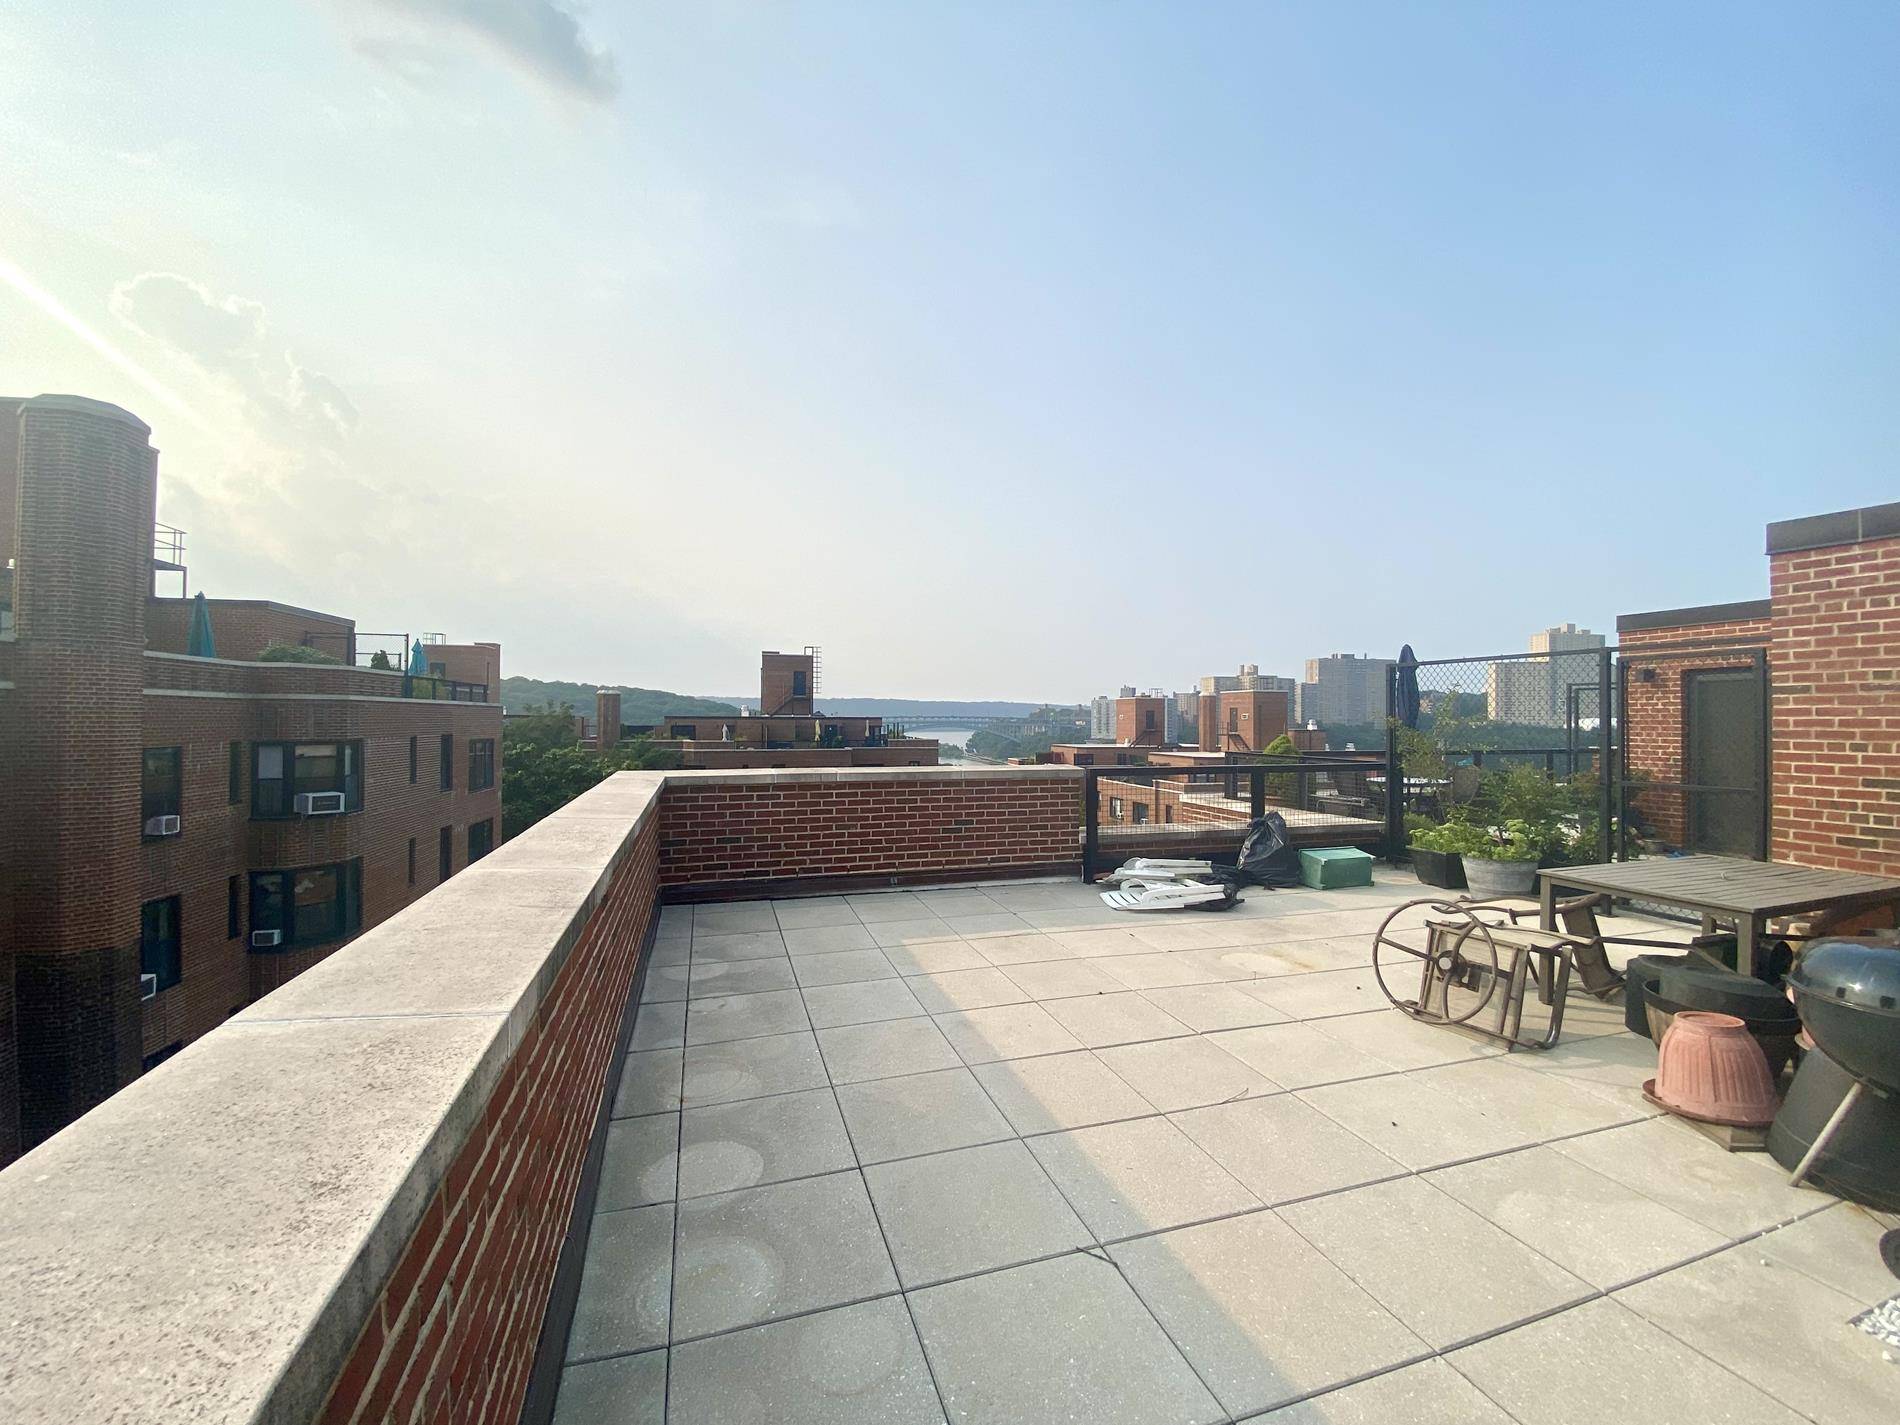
[[83, 524], [1209, 736], [1834, 583], [607, 719]]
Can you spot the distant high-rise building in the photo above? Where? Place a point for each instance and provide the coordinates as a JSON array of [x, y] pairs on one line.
[[1536, 691], [1102, 719], [1343, 689]]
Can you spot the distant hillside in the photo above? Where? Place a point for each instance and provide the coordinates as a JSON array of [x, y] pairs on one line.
[[637, 705]]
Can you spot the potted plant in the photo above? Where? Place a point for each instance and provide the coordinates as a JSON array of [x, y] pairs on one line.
[[1506, 863], [1438, 851]]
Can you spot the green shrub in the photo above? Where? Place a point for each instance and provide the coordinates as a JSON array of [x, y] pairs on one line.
[[296, 653]]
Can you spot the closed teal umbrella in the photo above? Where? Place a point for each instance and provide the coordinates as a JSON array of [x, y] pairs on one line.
[[418, 664], [199, 644]]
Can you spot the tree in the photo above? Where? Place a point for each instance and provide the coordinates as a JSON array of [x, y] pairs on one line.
[[544, 767], [379, 660]]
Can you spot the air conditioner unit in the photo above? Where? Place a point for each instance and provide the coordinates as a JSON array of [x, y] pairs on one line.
[[148, 986], [266, 939], [319, 803], [161, 826]]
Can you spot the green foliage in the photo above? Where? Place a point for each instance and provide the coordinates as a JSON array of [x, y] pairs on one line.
[[379, 660], [544, 767], [1458, 838], [1282, 786], [296, 653]]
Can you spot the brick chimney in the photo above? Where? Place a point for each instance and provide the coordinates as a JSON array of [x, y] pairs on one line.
[[607, 719]]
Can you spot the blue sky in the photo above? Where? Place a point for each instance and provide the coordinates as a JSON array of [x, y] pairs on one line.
[[1005, 350]]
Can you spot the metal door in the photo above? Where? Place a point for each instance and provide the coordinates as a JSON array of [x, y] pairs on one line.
[[1724, 767]]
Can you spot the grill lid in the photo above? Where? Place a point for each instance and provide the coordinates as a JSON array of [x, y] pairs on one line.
[[1863, 973]]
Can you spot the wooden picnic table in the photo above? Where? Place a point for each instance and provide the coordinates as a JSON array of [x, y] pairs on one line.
[[1747, 894]]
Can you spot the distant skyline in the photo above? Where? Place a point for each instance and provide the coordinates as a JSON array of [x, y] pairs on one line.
[[1006, 351]]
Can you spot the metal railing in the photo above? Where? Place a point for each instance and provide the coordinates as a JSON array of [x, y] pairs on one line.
[[1329, 799], [448, 690]]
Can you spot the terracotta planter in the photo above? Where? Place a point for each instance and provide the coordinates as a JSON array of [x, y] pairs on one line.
[[1711, 1068]]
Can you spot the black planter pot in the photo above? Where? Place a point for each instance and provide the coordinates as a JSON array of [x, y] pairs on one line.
[[1444, 869], [1694, 985], [1640, 970], [1862, 1159]]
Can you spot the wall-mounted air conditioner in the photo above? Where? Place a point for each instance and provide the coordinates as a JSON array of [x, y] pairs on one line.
[[266, 939], [162, 826], [319, 803], [148, 986]]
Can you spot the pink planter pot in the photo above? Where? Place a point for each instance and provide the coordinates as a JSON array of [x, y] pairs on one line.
[[1711, 1068]]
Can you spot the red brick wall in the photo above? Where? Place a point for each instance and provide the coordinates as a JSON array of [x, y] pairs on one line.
[[713, 830], [1653, 709], [1836, 691], [452, 1337], [1141, 720]]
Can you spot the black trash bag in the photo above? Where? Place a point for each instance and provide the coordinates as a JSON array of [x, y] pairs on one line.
[[1266, 857]]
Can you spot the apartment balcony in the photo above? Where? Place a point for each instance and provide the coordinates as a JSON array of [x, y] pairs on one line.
[[836, 1096]]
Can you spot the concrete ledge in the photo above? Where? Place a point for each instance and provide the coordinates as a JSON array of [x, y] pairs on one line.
[[1826, 531], [765, 777], [207, 1244], [1739, 612]]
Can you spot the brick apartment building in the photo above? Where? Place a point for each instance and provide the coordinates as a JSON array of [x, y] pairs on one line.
[[787, 731], [1797, 694], [186, 833]]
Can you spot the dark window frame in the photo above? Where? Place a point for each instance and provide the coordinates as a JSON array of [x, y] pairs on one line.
[[487, 841], [347, 919], [164, 801], [444, 854], [233, 907], [348, 780], [159, 955], [412, 759], [447, 769], [412, 860], [481, 764]]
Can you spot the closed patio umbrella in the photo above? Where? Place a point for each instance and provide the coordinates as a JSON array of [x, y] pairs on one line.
[[1406, 695], [418, 663], [199, 643]]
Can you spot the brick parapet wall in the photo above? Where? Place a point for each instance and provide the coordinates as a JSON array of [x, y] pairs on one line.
[[452, 1336], [863, 825], [244, 628], [1836, 695]]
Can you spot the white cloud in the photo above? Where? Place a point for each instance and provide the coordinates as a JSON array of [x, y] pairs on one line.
[[543, 39]]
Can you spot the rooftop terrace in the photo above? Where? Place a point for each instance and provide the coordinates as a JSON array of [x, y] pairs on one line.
[[1000, 1154], [552, 1141]]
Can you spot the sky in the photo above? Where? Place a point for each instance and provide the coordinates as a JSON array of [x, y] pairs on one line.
[[1005, 350]]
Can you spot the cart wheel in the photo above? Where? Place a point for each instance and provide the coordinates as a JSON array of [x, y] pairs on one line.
[[1463, 954]]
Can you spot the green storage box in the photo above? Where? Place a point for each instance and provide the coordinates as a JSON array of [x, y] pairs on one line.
[[1326, 868]]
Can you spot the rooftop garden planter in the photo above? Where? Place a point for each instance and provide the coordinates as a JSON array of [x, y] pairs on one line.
[[1488, 877], [1444, 869]]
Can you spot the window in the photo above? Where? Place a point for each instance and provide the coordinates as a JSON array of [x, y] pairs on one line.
[[448, 761], [158, 941], [445, 854], [412, 761], [232, 896], [481, 839], [800, 683], [1233, 719], [308, 906], [161, 785], [1085, 759], [281, 771], [159, 1056], [481, 763], [1115, 808], [234, 788], [687, 730], [1140, 810], [412, 860], [1167, 814]]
